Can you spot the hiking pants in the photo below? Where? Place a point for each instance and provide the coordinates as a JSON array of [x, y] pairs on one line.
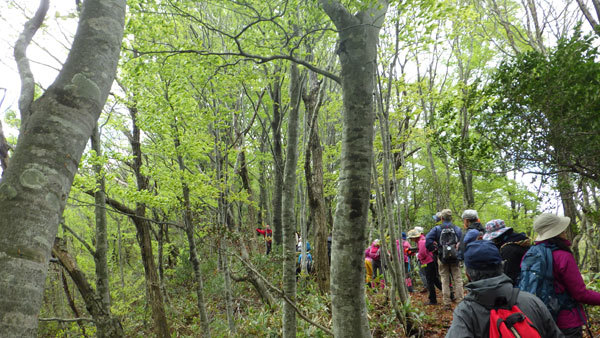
[[457, 283], [368, 270], [573, 332], [432, 280]]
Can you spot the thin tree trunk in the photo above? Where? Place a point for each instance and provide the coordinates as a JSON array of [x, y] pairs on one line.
[[108, 325], [278, 164], [71, 302], [289, 218], [142, 226], [36, 184]]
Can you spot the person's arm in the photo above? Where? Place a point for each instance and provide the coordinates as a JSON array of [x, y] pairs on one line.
[[430, 238], [260, 231], [570, 276]]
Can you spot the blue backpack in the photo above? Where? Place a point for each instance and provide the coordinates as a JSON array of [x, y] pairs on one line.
[[537, 278]]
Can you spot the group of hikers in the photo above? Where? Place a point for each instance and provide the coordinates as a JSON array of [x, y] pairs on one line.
[[517, 286]]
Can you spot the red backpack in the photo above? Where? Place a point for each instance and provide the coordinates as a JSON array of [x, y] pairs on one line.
[[511, 323]]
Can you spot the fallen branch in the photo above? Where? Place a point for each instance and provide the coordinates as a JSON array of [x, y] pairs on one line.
[[282, 295], [66, 320]]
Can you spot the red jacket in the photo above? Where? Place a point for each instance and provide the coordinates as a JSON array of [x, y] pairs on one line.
[[267, 233]]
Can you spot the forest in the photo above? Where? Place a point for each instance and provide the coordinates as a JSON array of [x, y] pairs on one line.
[[164, 181]]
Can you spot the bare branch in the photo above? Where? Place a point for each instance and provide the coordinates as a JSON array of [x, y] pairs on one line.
[[66, 320], [588, 15], [27, 82], [81, 240]]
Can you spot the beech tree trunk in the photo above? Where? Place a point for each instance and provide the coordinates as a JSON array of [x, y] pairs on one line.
[[278, 164], [357, 51], [36, 184], [289, 217]]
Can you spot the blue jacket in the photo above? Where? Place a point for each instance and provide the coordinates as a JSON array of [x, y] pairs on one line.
[[434, 236]]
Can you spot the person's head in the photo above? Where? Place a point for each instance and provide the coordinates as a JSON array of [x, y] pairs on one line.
[[376, 242], [482, 260], [446, 215], [403, 235], [549, 226], [494, 230], [414, 234], [469, 216], [267, 226]]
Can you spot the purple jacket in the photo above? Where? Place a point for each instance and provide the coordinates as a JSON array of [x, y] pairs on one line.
[[568, 277]]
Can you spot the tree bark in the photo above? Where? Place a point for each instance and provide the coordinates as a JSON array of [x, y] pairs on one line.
[[142, 226], [289, 217], [314, 184], [37, 182], [278, 164], [357, 51]]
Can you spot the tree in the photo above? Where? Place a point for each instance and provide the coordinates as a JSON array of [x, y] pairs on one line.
[[55, 129], [357, 51]]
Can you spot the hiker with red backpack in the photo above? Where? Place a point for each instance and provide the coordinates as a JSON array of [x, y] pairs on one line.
[[493, 307], [445, 238], [549, 270]]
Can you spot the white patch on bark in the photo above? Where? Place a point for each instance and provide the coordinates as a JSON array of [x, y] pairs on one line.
[[83, 87], [33, 179]]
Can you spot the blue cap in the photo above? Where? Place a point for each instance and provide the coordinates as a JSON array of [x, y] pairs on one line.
[[482, 255], [403, 235], [471, 236]]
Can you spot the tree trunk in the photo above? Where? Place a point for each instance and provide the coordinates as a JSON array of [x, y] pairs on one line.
[[107, 325], [289, 217], [314, 184], [357, 51], [278, 164], [142, 225], [189, 231], [100, 255], [36, 184]]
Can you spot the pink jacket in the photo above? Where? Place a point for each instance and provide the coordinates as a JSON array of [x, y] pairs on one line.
[[568, 277], [424, 256]]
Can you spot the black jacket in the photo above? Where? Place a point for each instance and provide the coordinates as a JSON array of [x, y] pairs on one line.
[[512, 248]]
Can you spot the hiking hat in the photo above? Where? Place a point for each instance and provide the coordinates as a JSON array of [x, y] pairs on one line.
[[419, 229], [414, 233], [482, 255], [471, 236], [445, 213], [494, 228], [549, 225], [403, 235], [470, 214], [376, 242]]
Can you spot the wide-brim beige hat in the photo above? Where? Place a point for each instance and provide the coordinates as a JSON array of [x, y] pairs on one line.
[[549, 225]]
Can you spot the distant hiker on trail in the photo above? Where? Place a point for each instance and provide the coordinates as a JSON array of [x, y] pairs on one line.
[[428, 263], [445, 238], [512, 246], [268, 235], [373, 252], [552, 254], [470, 221], [492, 296]]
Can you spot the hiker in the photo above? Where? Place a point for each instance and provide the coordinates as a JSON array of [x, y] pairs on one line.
[[490, 294], [512, 246], [428, 264], [268, 236], [470, 221], [309, 258], [406, 250], [445, 238], [373, 253], [567, 286]]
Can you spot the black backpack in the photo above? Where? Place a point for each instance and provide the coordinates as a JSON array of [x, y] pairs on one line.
[[448, 240]]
